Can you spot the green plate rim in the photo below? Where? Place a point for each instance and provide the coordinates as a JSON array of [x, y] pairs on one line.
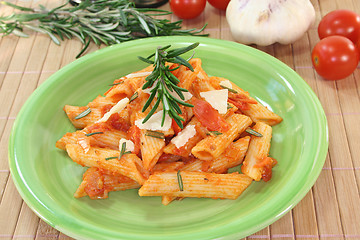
[[43, 212]]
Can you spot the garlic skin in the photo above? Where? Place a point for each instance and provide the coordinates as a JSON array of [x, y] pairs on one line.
[[264, 22]]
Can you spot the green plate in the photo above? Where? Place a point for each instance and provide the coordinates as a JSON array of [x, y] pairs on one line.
[[46, 178]]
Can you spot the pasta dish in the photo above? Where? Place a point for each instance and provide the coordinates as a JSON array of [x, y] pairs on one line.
[[122, 150]]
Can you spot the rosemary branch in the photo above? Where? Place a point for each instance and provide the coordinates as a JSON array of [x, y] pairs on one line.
[[102, 22], [164, 83]]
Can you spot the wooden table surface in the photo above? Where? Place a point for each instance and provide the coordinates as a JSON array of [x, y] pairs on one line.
[[330, 210]]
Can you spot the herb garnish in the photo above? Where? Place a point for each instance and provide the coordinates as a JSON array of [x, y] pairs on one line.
[[180, 182], [253, 132], [102, 22], [164, 83], [213, 133], [83, 114], [93, 133], [230, 89], [155, 134], [109, 158], [134, 96], [123, 150]]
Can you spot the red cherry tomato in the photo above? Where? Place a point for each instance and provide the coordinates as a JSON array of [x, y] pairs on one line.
[[219, 4], [340, 22], [187, 9], [335, 57]]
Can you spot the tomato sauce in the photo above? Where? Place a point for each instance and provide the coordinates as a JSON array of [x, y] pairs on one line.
[[241, 101], [266, 164], [94, 184], [208, 116], [118, 123], [133, 134]]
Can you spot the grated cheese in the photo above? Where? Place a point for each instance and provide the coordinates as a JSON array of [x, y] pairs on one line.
[[154, 122], [117, 108], [183, 137], [217, 99]]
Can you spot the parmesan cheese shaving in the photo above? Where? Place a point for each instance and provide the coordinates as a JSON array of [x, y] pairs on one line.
[[183, 137], [138, 74], [129, 144], [154, 122], [226, 83], [117, 108], [217, 99]]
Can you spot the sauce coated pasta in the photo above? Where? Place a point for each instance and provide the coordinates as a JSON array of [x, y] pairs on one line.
[[225, 128]]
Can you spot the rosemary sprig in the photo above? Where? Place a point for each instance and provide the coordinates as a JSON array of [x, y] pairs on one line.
[[164, 83], [102, 22]]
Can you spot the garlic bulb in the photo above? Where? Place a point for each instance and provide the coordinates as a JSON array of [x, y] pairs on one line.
[[265, 22]]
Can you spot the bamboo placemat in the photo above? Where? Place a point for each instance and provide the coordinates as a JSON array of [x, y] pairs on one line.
[[330, 210]]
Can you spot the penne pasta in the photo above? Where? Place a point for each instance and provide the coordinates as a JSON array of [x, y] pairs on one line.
[[151, 149], [212, 147], [195, 184], [129, 165], [127, 141], [256, 160], [252, 108], [98, 135], [232, 156], [97, 184]]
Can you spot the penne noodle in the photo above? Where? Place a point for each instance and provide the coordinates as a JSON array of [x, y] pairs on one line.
[[129, 165], [97, 184], [232, 156], [212, 147], [107, 137], [258, 152], [257, 112], [195, 184], [73, 111], [151, 149]]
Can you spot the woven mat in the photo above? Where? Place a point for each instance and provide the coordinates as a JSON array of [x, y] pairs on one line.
[[330, 210]]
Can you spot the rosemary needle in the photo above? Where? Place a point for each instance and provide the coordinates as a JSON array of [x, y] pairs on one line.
[[93, 133], [253, 132], [180, 182], [83, 114]]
